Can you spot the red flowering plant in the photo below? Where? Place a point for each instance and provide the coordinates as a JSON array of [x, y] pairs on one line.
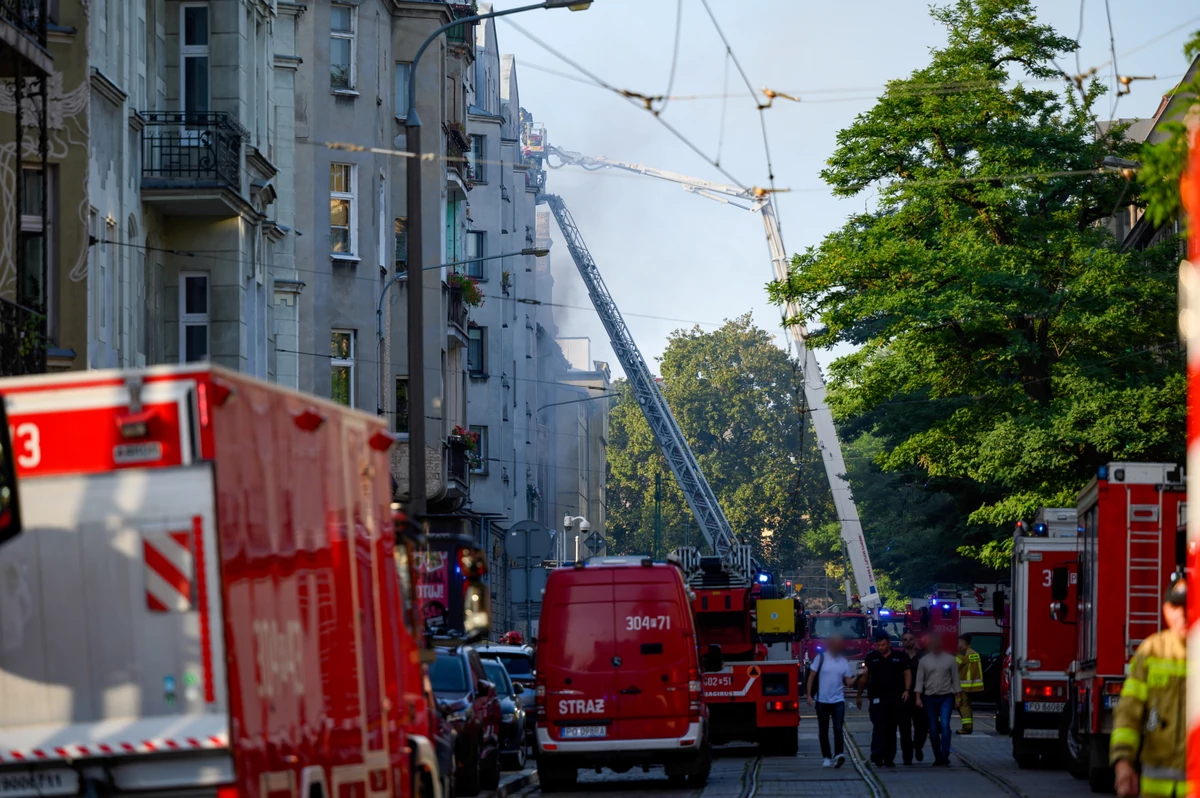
[[469, 439], [471, 292]]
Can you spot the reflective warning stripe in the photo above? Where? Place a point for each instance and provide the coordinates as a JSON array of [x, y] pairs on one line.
[[1169, 788], [1135, 689], [1166, 667], [1123, 736]]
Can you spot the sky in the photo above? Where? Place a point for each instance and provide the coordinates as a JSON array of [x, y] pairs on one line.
[[672, 259]]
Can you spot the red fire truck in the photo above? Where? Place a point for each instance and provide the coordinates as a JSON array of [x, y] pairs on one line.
[[1041, 652], [749, 697], [208, 597], [1127, 550]]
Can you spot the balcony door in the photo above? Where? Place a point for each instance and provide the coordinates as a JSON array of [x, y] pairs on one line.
[[194, 66]]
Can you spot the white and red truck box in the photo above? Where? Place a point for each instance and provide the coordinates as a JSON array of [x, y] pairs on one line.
[[1042, 650], [205, 599]]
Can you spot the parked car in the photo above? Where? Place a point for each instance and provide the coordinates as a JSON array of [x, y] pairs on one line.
[[468, 700], [519, 662], [513, 748]]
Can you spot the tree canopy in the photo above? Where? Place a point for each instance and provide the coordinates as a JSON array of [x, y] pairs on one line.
[[737, 398], [1163, 161], [1005, 346]]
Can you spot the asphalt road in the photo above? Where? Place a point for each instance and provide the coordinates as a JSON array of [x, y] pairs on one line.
[[981, 767]]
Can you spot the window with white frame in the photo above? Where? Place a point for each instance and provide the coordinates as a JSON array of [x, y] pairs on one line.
[[193, 316], [477, 350], [401, 75], [479, 463], [341, 47], [479, 158], [194, 52], [343, 237], [342, 367], [476, 248]]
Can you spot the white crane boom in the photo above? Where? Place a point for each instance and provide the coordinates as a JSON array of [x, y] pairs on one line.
[[814, 383], [696, 490]]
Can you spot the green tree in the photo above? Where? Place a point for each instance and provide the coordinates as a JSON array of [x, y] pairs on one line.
[[1163, 161], [737, 398], [1005, 347]]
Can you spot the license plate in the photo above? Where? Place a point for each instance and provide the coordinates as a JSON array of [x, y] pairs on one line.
[[1043, 706], [1040, 734], [1110, 701], [584, 731], [32, 783]]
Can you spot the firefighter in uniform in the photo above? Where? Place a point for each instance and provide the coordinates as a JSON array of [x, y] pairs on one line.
[[1149, 724], [970, 677]]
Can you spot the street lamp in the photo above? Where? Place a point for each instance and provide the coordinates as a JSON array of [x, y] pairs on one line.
[[416, 252], [537, 252]]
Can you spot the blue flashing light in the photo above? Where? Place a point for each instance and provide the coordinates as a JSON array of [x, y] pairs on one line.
[[763, 578], [1102, 473], [1041, 530], [946, 607], [885, 613]]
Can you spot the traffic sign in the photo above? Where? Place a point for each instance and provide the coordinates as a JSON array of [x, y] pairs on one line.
[[595, 542]]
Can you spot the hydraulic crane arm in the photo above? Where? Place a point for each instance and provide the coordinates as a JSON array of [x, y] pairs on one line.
[[696, 490], [814, 382]]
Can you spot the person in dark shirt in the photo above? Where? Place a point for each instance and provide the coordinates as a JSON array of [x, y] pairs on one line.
[[914, 726], [888, 680]]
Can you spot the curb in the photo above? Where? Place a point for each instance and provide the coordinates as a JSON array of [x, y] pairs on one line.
[[516, 783]]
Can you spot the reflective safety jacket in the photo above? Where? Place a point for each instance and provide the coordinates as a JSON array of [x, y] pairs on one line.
[[1150, 723], [970, 671]]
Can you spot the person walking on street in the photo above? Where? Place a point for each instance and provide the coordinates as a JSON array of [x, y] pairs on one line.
[[914, 727], [970, 674], [1149, 724], [831, 673], [888, 679], [937, 684]]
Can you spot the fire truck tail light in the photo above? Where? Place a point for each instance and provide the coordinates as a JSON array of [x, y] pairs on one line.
[[1113, 688], [695, 688], [782, 706], [539, 692], [227, 791]]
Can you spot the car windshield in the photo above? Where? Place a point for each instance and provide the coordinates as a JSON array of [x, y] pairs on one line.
[[516, 664], [851, 628], [448, 673], [498, 676]]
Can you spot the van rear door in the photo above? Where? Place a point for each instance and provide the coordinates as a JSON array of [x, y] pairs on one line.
[[655, 648], [576, 654]]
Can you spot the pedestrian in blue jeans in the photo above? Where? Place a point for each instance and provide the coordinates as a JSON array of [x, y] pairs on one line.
[[830, 675], [937, 684]]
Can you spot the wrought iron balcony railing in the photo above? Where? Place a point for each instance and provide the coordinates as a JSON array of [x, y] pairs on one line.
[[456, 308], [192, 149], [22, 340], [27, 15], [458, 465]]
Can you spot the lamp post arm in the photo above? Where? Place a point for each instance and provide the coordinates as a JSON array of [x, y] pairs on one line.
[[412, 119]]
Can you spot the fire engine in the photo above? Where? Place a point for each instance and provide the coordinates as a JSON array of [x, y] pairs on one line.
[[1041, 655], [211, 597], [749, 697], [1130, 542]]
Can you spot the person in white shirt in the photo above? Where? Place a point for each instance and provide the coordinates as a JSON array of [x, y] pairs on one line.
[[831, 673]]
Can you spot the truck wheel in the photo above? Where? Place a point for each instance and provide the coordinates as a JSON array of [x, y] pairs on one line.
[[468, 782], [553, 778], [489, 770], [1101, 777], [1075, 749], [517, 761]]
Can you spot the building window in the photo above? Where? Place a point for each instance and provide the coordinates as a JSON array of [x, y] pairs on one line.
[[401, 245], [401, 89], [476, 350], [31, 288], [193, 316], [341, 47], [342, 367], [480, 461], [476, 248], [479, 158], [342, 234], [194, 58], [400, 425]]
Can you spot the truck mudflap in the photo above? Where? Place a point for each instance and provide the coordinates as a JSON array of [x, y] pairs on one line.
[[771, 688]]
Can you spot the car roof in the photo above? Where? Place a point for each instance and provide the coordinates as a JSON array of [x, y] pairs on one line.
[[488, 648]]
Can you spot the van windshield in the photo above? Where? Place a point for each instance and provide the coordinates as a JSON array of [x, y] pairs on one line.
[[448, 674], [851, 628]]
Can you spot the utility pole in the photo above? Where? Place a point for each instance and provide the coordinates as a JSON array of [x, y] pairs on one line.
[[657, 515]]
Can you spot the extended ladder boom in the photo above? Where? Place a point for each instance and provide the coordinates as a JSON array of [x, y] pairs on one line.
[[814, 382], [696, 490]]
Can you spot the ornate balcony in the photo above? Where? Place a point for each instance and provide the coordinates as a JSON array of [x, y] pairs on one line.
[[23, 29], [22, 340], [192, 163]]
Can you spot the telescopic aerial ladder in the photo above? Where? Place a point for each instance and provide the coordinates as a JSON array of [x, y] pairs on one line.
[[814, 383], [696, 490]]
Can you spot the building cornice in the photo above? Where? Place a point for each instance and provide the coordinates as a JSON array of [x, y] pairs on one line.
[[288, 286], [291, 62], [106, 88], [291, 9]]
